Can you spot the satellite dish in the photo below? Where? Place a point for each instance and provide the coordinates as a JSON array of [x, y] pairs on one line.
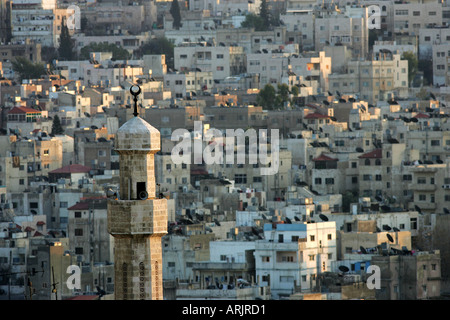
[[323, 217], [389, 237], [446, 211], [359, 149], [414, 120], [378, 198], [110, 193], [396, 229], [344, 268], [288, 220], [143, 195], [378, 229], [386, 227], [217, 222], [296, 218], [264, 216], [363, 250]]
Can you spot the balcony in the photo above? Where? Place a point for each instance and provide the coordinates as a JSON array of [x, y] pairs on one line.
[[422, 205], [423, 187]]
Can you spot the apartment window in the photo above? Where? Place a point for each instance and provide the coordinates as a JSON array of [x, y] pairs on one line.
[[101, 153], [312, 238], [311, 257], [416, 13], [378, 177], [77, 214], [288, 279], [329, 180], [432, 13], [265, 259], [354, 179], [78, 232], [183, 56], [329, 236], [220, 68], [240, 178], [435, 143], [354, 165], [287, 259], [219, 56], [367, 177], [401, 12], [407, 177], [318, 181], [421, 180], [413, 223]]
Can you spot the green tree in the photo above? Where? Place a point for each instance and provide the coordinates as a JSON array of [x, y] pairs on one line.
[[426, 66], [118, 53], [295, 91], [348, 198], [412, 65], [66, 44], [264, 13], [282, 95], [254, 21], [27, 69], [267, 97], [176, 14], [158, 46], [56, 126]]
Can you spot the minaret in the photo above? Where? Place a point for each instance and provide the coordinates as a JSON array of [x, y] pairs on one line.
[[136, 218]]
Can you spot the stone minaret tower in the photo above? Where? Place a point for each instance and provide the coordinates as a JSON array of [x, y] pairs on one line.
[[136, 218]]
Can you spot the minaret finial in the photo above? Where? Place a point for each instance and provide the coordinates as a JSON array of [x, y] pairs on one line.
[[135, 90]]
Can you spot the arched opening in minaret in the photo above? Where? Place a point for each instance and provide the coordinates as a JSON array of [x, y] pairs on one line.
[[141, 190]]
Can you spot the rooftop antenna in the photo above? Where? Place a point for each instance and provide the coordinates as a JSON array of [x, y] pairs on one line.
[[54, 290], [135, 90]]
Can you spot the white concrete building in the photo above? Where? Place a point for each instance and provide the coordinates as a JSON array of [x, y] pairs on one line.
[[222, 61], [292, 255]]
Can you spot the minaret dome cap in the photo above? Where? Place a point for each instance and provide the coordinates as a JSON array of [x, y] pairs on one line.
[[137, 134]]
